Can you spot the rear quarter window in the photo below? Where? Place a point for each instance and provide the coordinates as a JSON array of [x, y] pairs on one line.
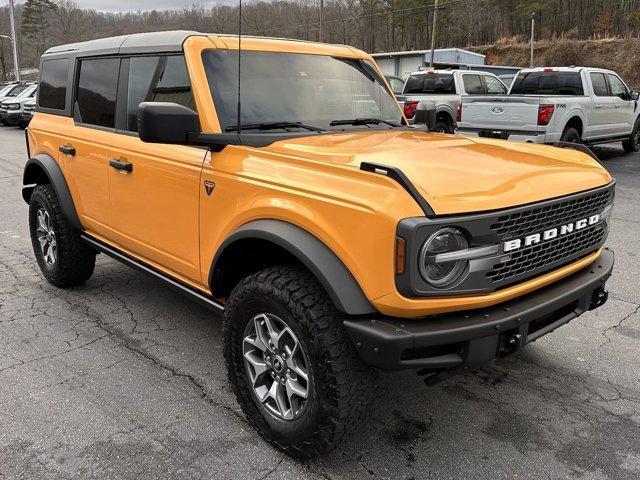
[[97, 88], [473, 84], [548, 83], [437, 83], [53, 84]]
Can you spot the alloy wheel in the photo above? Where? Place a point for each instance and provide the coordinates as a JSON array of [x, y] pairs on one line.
[[47, 237], [277, 366]]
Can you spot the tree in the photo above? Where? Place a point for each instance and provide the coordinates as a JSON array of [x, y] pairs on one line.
[[35, 22]]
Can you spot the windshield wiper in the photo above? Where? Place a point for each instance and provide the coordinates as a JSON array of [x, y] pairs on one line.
[[363, 121], [272, 126]]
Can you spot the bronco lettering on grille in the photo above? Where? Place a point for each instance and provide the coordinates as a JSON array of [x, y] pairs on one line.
[[529, 240]]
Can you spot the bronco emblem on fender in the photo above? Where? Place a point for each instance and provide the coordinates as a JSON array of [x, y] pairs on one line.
[[209, 187]]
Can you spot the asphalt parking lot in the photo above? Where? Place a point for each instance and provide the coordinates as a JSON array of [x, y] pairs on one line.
[[123, 378]]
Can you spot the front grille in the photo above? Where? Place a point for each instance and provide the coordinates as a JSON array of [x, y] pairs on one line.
[[535, 258], [539, 219], [540, 257]]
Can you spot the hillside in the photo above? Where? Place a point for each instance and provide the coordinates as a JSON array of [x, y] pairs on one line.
[[619, 54]]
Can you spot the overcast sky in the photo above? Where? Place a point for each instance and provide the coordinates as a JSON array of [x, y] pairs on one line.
[[128, 5]]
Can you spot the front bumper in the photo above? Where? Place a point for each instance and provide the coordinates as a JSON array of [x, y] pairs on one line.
[[10, 117], [445, 344], [542, 136]]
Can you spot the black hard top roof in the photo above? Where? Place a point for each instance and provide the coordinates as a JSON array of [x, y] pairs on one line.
[[127, 44]]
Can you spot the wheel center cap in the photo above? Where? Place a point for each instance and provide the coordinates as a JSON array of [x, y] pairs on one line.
[[278, 364]]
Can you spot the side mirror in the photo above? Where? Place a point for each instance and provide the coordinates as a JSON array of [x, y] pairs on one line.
[[164, 122], [425, 114], [635, 96]]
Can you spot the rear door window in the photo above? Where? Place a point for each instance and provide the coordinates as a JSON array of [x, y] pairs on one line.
[[435, 83], [96, 93], [157, 79], [548, 83], [599, 84], [53, 84], [473, 85]]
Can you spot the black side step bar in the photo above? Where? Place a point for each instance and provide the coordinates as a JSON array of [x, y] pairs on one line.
[[399, 176], [132, 262]]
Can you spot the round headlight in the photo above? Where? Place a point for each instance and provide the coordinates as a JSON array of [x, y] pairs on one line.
[[438, 273]]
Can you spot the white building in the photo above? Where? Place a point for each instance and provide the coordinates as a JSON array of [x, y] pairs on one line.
[[402, 64]]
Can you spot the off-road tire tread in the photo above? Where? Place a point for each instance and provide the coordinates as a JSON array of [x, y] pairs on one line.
[[351, 381], [76, 259]]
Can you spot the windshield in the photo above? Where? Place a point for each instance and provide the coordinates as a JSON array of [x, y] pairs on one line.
[[547, 83], [5, 89], [313, 90], [27, 92], [16, 90]]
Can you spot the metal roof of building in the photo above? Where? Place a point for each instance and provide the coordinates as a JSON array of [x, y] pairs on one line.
[[409, 53]]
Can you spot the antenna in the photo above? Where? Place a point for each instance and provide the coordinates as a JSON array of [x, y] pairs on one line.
[[239, 60]]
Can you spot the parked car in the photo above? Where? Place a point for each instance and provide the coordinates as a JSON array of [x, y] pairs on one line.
[[548, 105], [28, 110], [445, 88], [333, 244], [396, 83], [11, 110], [13, 90]]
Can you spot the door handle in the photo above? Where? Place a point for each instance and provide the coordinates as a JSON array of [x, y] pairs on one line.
[[118, 165], [67, 150]]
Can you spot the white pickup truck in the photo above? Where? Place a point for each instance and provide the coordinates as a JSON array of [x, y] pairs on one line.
[[445, 88], [549, 105]]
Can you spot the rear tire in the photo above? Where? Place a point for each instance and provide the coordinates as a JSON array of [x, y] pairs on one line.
[[337, 383], [443, 125], [64, 258], [632, 144], [571, 135]]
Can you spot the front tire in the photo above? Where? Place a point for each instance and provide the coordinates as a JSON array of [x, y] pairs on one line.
[[632, 144], [292, 367], [64, 259]]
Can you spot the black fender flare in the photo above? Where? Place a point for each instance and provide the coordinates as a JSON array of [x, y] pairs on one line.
[[33, 170], [330, 271]]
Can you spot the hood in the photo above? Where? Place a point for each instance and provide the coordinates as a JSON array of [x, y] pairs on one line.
[[10, 102], [458, 174]]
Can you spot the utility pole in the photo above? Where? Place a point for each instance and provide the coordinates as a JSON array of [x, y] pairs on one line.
[[321, 15], [16, 66], [533, 26], [433, 32]]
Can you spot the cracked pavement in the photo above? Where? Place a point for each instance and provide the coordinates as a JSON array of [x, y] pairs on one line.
[[124, 378]]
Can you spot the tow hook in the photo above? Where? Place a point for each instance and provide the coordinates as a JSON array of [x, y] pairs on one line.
[[509, 344], [599, 298]]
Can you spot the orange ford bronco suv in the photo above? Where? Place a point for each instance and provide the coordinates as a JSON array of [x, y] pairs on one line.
[[335, 239]]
